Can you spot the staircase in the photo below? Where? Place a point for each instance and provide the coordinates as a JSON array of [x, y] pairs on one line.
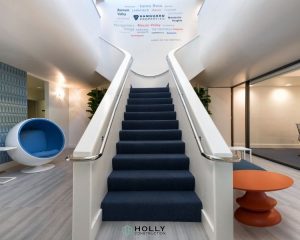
[[151, 180]]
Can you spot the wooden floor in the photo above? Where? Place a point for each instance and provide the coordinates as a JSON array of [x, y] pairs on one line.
[[39, 207], [288, 205], [172, 231]]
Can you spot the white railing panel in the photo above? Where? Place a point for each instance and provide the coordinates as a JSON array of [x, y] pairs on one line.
[[210, 135], [188, 58], [90, 177], [110, 61], [213, 178], [90, 142]]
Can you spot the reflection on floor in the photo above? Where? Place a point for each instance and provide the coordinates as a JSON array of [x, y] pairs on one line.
[[286, 156], [38, 207]]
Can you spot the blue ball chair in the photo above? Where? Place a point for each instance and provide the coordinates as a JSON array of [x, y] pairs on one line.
[[38, 141]]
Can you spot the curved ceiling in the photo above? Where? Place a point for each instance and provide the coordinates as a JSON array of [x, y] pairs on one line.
[[240, 40], [58, 41], [54, 40]]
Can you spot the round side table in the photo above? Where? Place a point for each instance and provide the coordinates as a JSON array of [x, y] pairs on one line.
[[256, 208]]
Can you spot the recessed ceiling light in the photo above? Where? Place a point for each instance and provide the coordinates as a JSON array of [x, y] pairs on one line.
[[288, 84]]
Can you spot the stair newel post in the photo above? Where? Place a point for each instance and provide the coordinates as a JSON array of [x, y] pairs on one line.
[[223, 196], [82, 200]]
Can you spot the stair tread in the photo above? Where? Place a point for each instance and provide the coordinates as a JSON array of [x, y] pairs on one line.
[[151, 141], [133, 121], [149, 108], [151, 197], [147, 180], [150, 100], [151, 162], [150, 95], [150, 156], [148, 113], [151, 105], [155, 135], [142, 90], [165, 115], [150, 124], [151, 146], [151, 130], [150, 174]]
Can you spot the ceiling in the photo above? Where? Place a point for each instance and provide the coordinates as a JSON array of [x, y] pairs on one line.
[[54, 40], [291, 79], [240, 40]]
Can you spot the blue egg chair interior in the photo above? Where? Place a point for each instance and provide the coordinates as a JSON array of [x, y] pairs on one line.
[[38, 142]]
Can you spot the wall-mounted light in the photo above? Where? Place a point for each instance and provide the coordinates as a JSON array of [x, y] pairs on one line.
[[60, 93]]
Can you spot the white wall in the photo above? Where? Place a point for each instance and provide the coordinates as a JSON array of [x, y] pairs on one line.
[[188, 60], [240, 40], [139, 81], [150, 46], [220, 108], [57, 109], [69, 113], [274, 114], [78, 117]]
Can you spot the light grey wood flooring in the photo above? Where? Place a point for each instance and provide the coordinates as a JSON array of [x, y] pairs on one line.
[[288, 205], [172, 231], [39, 207]]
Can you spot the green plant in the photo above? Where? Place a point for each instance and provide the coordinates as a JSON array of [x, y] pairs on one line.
[[95, 97], [204, 97]]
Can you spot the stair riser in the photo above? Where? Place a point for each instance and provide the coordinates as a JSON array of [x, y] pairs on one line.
[[149, 148], [147, 90], [161, 212], [150, 164], [145, 101], [150, 108], [127, 125], [155, 184], [150, 95], [150, 116], [147, 135]]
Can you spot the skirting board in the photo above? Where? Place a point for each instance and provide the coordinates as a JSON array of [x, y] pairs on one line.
[[266, 145], [97, 221], [208, 226], [275, 145]]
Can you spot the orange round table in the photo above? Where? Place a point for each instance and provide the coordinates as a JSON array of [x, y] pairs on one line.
[[256, 208]]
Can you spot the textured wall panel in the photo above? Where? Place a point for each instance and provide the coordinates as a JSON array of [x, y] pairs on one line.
[[13, 101]]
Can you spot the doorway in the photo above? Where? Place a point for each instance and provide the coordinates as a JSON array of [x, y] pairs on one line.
[[35, 97]]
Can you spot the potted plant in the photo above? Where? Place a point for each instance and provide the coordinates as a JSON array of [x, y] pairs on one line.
[[95, 97], [204, 97]]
